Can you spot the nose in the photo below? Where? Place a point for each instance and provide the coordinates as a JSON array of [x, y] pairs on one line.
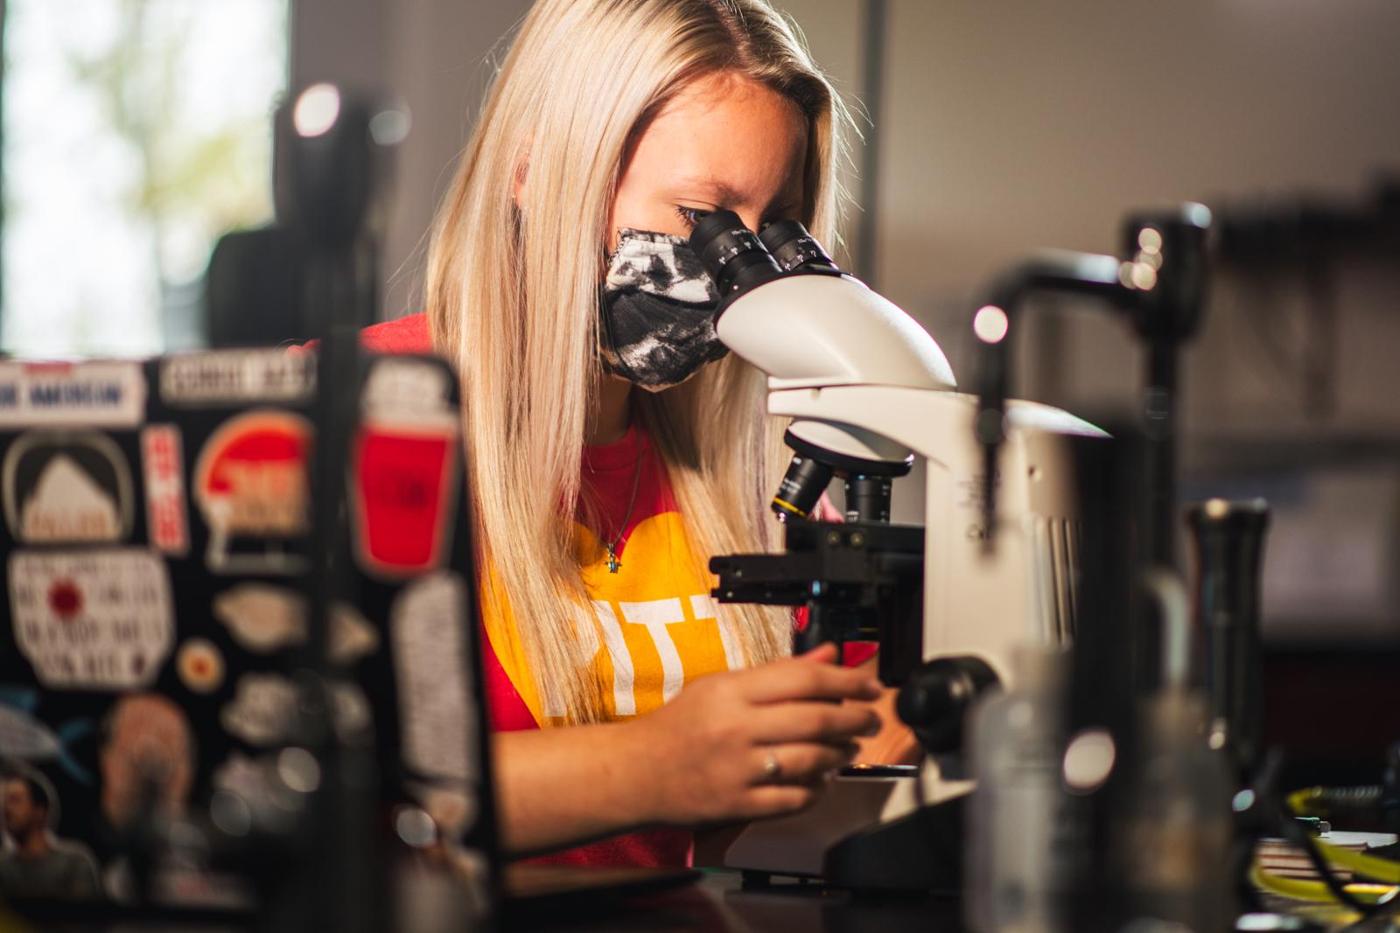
[[751, 218]]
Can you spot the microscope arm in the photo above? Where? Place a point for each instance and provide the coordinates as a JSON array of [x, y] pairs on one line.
[[1087, 274]]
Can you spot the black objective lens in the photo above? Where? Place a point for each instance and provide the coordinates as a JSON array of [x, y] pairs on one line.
[[867, 498], [795, 249], [733, 255], [802, 485]]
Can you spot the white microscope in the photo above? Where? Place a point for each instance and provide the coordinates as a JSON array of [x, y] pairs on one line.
[[868, 390]]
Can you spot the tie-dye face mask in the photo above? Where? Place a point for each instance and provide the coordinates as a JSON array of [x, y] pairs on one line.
[[658, 308]]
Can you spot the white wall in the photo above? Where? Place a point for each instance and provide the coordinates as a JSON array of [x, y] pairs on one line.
[[1015, 125], [434, 54]]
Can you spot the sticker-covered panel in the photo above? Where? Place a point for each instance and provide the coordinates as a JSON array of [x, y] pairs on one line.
[[152, 570]]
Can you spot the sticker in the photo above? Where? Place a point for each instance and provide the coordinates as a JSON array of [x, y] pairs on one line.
[[264, 706], [200, 665], [96, 620], [250, 484], [163, 462], [26, 738], [351, 710], [107, 394], [428, 631], [66, 487], [236, 376], [405, 467], [262, 617], [146, 759], [263, 709], [352, 636]]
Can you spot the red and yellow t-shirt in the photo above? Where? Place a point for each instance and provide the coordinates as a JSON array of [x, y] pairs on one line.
[[657, 624]]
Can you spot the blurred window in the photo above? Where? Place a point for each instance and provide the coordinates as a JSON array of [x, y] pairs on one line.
[[135, 133]]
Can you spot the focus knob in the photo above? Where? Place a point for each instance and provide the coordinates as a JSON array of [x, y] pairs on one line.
[[936, 697]]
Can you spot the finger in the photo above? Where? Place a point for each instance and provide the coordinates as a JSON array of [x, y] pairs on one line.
[[824, 653], [812, 722], [800, 679], [795, 763], [768, 800]]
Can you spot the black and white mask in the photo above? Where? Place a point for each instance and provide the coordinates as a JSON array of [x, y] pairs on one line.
[[658, 306]]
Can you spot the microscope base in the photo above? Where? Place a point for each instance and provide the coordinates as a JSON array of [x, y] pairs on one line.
[[867, 832], [919, 852]]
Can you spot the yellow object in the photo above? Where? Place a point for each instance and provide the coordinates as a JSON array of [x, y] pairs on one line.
[[1369, 865], [1304, 803], [1300, 802], [1300, 890], [658, 628]]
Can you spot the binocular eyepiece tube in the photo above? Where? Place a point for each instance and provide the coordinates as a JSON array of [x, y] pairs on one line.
[[740, 260]]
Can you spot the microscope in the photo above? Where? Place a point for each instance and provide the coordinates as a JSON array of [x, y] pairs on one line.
[[869, 390]]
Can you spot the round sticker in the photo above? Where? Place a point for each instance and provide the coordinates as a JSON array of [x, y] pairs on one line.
[[200, 665]]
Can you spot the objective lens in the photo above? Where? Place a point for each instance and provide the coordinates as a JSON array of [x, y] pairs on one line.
[[867, 498], [795, 249], [733, 255], [802, 485]]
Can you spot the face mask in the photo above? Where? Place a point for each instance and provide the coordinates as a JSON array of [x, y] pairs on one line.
[[658, 307]]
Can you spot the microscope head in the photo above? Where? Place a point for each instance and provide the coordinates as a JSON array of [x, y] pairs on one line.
[[789, 310]]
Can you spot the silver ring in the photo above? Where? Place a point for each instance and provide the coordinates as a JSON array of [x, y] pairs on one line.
[[771, 769]]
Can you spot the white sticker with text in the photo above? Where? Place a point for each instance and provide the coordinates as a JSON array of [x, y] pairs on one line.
[[108, 394], [428, 632], [234, 376], [95, 620]]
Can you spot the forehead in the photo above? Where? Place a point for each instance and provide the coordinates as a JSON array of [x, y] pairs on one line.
[[730, 135]]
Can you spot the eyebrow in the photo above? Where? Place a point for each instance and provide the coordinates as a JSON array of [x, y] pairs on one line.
[[705, 184], [723, 194]]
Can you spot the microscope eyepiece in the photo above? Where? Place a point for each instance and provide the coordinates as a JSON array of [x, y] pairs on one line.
[[733, 254], [795, 249]]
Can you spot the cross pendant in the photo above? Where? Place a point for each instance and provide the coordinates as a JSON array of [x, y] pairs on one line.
[[613, 563]]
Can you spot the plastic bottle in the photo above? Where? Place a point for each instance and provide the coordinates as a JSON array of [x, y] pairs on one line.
[[1012, 873]]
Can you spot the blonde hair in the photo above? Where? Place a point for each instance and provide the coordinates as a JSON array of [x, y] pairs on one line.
[[514, 302]]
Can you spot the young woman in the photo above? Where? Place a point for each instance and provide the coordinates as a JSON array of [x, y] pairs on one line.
[[615, 446]]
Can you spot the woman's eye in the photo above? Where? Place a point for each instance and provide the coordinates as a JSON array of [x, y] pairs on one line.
[[691, 216]]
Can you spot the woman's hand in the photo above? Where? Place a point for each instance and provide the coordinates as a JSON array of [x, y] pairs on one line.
[[752, 743]]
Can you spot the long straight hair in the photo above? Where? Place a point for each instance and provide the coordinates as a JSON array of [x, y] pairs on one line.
[[513, 300]]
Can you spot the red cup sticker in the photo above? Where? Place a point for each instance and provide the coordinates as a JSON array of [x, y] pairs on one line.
[[104, 393], [67, 487], [163, 463], [237, 376], [428, 629], [250, 485], [405, 468], [92, 619]]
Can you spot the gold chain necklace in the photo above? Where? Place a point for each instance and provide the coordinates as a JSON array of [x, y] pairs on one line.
[[614, 565]]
